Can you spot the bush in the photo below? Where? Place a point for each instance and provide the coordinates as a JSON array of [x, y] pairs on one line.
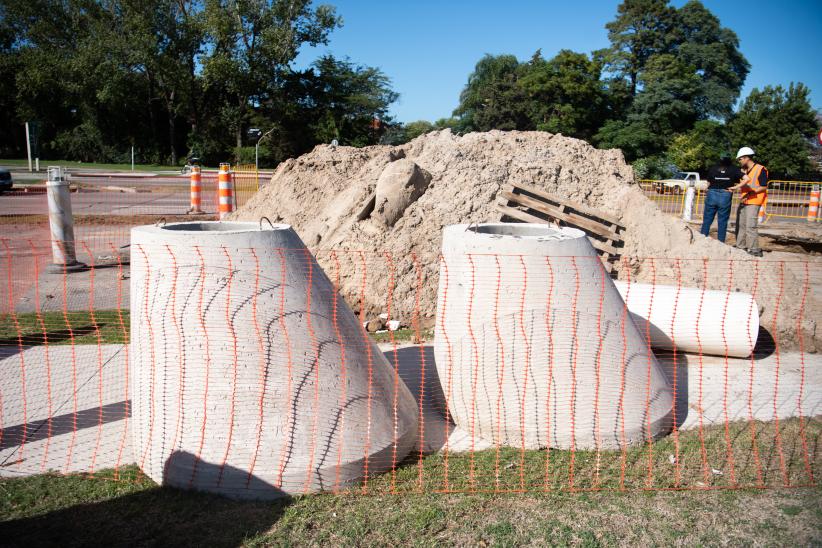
[[654, 167]]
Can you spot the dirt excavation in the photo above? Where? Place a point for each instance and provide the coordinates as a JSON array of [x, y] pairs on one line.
[[374, 216]]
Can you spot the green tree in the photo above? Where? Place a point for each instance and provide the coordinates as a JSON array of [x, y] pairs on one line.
[[347, 99], [778, 124], [415, 129], [701, 147], [491, 99], [248, 48], [564, 94], [713, 52], [642, 29]]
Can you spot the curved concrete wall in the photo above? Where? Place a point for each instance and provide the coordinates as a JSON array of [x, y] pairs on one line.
[[250, 376], [694, 320], [534, 346]]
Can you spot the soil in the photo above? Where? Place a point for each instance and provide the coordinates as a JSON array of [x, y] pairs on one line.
[[324, 193]]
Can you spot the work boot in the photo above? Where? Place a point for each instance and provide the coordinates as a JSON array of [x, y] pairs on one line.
[[755, 252]]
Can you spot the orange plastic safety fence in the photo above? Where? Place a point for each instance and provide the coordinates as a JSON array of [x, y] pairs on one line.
[[270, 371]]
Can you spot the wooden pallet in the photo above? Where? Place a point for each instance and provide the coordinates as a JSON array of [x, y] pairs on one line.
[[529, 204]]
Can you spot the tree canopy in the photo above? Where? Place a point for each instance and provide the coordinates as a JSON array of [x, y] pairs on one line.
[[171, 77]]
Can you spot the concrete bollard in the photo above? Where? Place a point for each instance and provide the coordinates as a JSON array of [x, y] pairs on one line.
[[196, 191], [813, 204], [688, 208], [225, 191], [534, 346], [61, 224], [250, 375]]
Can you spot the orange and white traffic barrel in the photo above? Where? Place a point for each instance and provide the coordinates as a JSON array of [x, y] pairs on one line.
[[196, 191], [225, 191], [761, 217], [813, 204]]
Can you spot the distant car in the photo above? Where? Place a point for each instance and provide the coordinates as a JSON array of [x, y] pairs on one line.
[[680, 182], [6, 181]]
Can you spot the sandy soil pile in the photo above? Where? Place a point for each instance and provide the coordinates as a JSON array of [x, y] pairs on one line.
[[328, 196]]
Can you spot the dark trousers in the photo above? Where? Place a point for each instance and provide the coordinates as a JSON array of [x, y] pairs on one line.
[[717, 204]]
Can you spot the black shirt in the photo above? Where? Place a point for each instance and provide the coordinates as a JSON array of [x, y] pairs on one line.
[[723, 177]]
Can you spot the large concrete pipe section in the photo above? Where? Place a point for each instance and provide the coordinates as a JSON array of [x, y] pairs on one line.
[[534, 346], [700, 321], [250, 376]]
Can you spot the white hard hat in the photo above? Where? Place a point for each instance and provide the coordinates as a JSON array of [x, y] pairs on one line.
[[744, 151]]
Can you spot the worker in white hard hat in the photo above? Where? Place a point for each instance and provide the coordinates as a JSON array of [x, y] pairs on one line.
[[754, 188]]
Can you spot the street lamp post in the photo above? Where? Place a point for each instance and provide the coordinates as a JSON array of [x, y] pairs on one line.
[[255, 132]]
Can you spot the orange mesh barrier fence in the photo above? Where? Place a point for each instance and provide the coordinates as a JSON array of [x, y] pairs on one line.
[[786, 199], [262, 371]]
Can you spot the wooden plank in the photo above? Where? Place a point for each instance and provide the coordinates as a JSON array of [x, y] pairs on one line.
[[579, 207], [528, 218], [570, 218]]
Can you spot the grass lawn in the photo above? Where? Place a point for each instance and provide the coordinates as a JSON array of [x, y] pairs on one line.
[[59, 328], [398, 510], [89, 165]]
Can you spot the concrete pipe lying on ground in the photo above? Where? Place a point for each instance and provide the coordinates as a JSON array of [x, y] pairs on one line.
[[534, 346], [250, 376], [694, 320]]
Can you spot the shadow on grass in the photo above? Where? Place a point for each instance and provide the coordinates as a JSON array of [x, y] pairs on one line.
[[139, 513]]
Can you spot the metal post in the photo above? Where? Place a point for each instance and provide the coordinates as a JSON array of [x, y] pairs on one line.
[[688, 209], [37, 165], [28, 144], [61, 223], [132, 158], [257, 156]]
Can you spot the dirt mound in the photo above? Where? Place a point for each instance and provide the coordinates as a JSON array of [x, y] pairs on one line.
[[328, 196]]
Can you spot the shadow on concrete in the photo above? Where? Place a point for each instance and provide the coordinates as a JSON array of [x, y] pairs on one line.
[[49, 337], [156, 516], [33, 431], [765, 345]]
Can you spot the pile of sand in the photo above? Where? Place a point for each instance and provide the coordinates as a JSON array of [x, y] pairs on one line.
[[328, 194]]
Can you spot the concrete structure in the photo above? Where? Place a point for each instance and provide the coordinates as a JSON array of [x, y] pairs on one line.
[[694, 320], [534, 346], [250, 376], [61, 223]]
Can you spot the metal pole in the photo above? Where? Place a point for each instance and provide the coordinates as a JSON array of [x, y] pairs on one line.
[[28, 144], [256, 155], [132, 158], [37, 165], [61, 223]]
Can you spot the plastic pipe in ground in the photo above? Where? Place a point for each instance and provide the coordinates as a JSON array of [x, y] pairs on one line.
[[534, 346], [250, 376], [694, 320]]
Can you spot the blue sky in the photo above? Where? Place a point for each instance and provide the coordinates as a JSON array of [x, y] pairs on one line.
[[428, 48]]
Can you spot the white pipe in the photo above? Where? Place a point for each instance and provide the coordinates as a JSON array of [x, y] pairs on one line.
[[694, 320]]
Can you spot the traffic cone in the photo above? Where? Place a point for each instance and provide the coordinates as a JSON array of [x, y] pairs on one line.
[[225, 191]]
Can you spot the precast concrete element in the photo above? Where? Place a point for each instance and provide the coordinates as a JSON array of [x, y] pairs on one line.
[[534, 346], [61, 223], [250, 376], [694, 320]]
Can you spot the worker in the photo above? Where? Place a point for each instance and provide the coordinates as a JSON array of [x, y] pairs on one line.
[[721, 177], [754, 189]]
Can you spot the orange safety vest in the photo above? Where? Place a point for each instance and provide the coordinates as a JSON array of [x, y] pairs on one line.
[[752, 198]]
